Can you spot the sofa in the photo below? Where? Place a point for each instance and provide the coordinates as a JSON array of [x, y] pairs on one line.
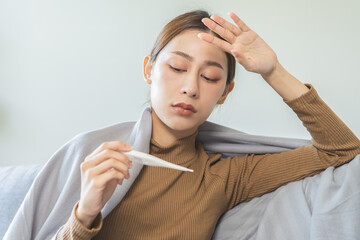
[[306, 209], [15, 181]]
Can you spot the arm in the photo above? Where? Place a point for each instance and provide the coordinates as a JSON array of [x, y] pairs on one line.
[[285, 84], [333, 144]]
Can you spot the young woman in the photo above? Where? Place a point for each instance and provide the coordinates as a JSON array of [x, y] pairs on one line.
[[190, 70]]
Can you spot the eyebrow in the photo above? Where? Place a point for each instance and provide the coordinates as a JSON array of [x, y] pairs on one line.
[[190, 58]]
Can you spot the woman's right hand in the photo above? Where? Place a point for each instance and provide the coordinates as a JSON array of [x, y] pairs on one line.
[[101, 172]]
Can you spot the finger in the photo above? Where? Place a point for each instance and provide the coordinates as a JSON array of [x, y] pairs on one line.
[[106, 154], [96, 159], [216, 41], [114, 145], [231, 27], [243, 27], [109, 164], [223, 32], [101, 180], [120, 181]]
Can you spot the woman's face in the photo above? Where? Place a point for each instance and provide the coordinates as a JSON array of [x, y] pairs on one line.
[[188, 71]]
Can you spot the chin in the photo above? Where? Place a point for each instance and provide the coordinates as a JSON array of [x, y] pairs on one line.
[[178, 123], [181, 125]]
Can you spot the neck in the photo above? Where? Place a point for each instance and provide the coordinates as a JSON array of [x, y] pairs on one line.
[[165, 135]]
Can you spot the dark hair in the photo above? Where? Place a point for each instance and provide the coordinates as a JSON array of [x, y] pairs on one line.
[[189, 20]]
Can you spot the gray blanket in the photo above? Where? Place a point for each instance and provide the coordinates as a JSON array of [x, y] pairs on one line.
[[323, 207], [56, 189]]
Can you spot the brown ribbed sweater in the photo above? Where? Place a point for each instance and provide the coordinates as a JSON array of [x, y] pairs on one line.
[[164, 203]]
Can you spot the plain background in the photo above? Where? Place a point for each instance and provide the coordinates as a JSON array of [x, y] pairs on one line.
[[68, 67]]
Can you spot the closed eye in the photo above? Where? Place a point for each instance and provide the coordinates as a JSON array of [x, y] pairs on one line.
[[176, 69], [210, 79], [181, 70]]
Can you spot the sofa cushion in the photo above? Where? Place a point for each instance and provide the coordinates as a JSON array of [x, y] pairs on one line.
[[15, 181]]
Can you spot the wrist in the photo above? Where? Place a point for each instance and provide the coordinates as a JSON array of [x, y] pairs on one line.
[[285, 84], [84, 218], [275, 73]]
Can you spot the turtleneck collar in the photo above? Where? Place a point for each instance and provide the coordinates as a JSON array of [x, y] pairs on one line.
[[181, 151]]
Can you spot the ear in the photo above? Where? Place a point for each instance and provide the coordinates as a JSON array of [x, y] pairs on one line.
[[147, 67], [228, 89]]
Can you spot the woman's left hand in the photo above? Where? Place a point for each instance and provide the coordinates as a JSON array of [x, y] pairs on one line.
[[248, 48]]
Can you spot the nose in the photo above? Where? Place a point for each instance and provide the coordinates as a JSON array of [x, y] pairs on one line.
[[190, 88], [189, 91]]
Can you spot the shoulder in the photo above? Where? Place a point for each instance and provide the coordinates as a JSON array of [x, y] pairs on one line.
[[222, 166]]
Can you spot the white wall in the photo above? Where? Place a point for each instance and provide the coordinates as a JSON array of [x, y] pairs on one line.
[[72, 66]]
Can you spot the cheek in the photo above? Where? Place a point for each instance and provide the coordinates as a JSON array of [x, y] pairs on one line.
[[162, 88], [213, 95]]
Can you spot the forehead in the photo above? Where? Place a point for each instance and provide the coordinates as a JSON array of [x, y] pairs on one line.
[[189, 43]]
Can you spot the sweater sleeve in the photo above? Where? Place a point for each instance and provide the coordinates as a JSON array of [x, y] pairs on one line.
[[75, 230], [333, 144]]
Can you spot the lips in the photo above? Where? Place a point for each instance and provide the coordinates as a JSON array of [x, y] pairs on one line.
[[186, 106]]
